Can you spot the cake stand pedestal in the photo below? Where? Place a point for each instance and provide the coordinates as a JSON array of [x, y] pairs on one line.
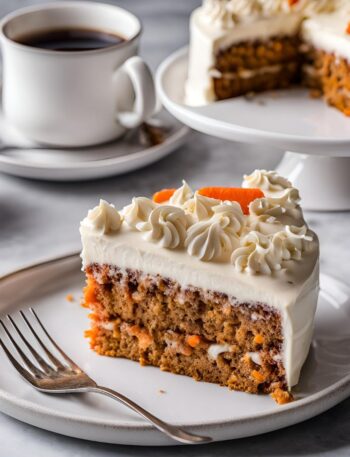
[[289, 120], [324, 182]]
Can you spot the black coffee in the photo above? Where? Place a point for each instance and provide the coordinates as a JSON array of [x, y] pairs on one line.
[[71, 39]]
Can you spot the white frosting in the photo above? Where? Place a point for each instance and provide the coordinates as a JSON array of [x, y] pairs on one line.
[[282, 199], [284, 261], [257, 255], [264, 216], [264, 253], [104, 218], [216, 237], [321, 6], [328, 33], [166, 226], [270, 182], [200, 207], [255, 357], [137, 213], [214, 350], [181, 195]]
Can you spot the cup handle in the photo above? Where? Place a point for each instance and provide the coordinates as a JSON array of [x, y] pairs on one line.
[[145, 93]]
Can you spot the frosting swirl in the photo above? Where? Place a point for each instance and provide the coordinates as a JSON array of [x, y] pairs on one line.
[[215, 12], [270, 7], [104, 218], [181, 195], [264, 254], [257, 254], [269, 182], [166, 226], [281, 196], [244, 8], [137, 213], [321, 6], [225, 14], [216, 237], [200, 207], [293, 242]]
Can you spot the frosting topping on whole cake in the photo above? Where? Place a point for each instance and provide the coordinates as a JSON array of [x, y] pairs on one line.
[[227, 13]]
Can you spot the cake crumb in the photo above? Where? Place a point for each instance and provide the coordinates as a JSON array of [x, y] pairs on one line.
[[281, 396], [161, 391], [70, 297], [315, 93]]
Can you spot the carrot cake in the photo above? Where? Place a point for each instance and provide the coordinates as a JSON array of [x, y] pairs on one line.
[[220, 284], [243, 46]]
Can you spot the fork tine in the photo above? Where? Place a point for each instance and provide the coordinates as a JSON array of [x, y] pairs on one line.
[[69, 361], [21, 370], [34, 369], [43, 365], [58, 365]]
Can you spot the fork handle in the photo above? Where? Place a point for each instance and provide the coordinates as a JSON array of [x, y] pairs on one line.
[[172, 431]]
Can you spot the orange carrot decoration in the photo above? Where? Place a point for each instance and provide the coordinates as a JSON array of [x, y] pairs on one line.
[[293, 2], [163, 195], [235, 194], [193, 340], [348, 29]]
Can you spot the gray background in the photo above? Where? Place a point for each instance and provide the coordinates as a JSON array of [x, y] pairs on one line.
[[41, 219]]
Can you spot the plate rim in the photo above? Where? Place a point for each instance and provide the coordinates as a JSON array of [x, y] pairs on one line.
[[180, 135], [187, 111], [334, 394]]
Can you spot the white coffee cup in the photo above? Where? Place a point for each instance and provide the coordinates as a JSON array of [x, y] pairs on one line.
[[75, 98]]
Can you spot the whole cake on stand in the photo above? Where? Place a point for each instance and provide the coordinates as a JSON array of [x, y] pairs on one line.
[[239, 52]]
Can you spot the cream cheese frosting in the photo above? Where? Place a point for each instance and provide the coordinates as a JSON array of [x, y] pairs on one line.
[[328, 32], [104, 218], [210, 244]]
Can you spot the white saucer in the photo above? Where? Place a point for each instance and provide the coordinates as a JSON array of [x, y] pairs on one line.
[[121, 156], [205, 408]]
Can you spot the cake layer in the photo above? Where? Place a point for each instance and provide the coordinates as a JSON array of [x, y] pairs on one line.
[[248, 81], [258, 54], [186, 331], [331, 76], [256, 66], [160, 303]]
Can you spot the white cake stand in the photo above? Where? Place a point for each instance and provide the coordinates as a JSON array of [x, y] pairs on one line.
[[316, 136]]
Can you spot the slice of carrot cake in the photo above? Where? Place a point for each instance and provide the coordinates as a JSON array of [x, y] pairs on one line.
[[220, 284]]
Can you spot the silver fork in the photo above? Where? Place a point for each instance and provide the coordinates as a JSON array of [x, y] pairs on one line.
[[50, 375]]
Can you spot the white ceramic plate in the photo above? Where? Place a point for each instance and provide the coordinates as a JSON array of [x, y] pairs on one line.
[[121, 156], [287, 119], [202, 407]]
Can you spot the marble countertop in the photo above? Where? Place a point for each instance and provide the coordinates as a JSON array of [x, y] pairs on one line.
[[40, 220]]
